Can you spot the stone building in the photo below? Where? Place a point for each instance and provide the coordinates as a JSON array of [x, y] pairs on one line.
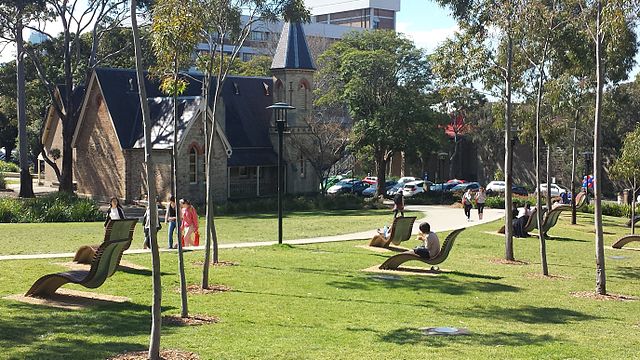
[[108, 142]]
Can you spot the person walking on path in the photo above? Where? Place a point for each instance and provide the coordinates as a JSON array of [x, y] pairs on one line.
[[115, 211], [170, 220], [481, 197], [146, 220], [189, 223], [467, 199], [398, 204]]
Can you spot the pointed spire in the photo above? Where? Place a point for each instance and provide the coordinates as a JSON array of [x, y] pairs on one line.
[[293, 51]]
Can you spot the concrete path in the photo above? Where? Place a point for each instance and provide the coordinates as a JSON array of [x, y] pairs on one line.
[[441, 218]]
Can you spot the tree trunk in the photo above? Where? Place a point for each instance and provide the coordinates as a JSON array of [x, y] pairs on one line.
[[548, 194], [381, 167], [212, 236], [68, 123], [205, 120], [541, 234], [156, 314], [633, 207], [184, 306], [26, 183], [573, 170], [508, 195], [601, 282]]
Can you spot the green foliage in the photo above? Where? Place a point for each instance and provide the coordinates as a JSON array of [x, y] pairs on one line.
[[613, 209], [56, 207], [496, 202], [8, 167], [297, 203], [627, 166], [433, 198], [3, 182]]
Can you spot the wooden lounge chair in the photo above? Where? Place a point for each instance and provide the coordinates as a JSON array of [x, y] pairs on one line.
[[400, 231], [635, 220], [531, 224], [395, 261], [625, 240], [551, 218], [104, 263], [85, 253]]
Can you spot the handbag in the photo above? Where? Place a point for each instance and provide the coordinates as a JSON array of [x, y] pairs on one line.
[[196, 240]]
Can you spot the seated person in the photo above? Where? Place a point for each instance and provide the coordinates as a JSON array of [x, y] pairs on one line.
[[430, 247], [520, 223], [382, 238]]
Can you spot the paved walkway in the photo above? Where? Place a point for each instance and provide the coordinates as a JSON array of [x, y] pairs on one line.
[[441, 218]]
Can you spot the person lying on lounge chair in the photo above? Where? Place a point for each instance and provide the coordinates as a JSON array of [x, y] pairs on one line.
[[430, 247], [382, 238]]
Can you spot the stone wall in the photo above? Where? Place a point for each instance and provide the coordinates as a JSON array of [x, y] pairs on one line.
[[56, 143]]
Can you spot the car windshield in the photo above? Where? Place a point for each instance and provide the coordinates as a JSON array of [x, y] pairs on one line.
[[343, 182]]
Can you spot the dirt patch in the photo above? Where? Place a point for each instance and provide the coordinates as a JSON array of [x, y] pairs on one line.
[[124, 265], [221, 263], [213, 289], [508, 262], [391, 248], [593, 296], [548, 277], [406, 270], [191, 320], [71, 299], [164, 355]]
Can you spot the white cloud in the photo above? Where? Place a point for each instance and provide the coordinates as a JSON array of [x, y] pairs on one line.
[[426, 39]]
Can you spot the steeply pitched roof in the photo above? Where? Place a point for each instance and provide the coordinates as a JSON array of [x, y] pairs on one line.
[[293, 51], [247, 120]]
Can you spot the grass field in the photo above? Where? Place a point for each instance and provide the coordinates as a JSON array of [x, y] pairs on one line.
[[314, 302], [67, 237]]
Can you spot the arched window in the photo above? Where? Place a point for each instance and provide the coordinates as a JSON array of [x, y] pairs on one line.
[[279, 91], [304, 87], [193, 165]]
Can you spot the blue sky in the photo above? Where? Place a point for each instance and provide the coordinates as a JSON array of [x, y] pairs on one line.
[[425, 22]]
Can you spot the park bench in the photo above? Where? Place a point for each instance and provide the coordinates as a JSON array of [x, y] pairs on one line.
[[103, 265], [395, 261], [625, 240], [531, 224], [400, 231], [85, 254]]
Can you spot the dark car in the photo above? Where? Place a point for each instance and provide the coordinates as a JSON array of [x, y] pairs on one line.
[[371, 190], [519, 190], [442, 187], [465, 186], [358, 187], [392, 191]]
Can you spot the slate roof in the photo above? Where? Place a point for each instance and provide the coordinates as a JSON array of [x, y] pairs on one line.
[[292, 51], [246, 119]]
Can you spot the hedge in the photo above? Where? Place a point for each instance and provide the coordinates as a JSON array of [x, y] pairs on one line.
[[613, 209], [433, 198], [8, 167], [297, 203], [55, 207]]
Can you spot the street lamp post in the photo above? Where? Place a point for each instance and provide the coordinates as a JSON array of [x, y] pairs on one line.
[[280, 112]]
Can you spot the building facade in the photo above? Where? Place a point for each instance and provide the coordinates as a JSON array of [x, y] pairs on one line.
[[365, 14]]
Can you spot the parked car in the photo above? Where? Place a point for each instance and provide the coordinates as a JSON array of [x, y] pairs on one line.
[[496, 186], [332, 180], [465, 186], [371, 190], [456, 181], [556, 189], [392, 191], [441, 187], [370, 180], [406, 180], [413, 188], [357, 187], [519, 190], [341, 187]]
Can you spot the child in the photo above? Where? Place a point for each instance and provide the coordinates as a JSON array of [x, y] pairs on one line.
[[430, 247]]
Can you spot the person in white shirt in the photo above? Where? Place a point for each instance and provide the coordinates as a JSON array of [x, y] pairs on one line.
[[115, 211], [481, 197], [467, 199], [430, 247]]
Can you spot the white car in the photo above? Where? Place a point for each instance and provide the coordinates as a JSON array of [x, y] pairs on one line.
[[412, 188], [556, 190], [406, 180], [496, 186]]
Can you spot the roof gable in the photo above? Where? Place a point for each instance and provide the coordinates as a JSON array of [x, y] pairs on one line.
[[292, 51]]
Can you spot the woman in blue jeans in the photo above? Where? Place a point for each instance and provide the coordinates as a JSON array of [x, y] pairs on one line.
[[170, 219]]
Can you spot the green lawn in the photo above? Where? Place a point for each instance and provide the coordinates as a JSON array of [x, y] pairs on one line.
[[67, 237], [314, 302]]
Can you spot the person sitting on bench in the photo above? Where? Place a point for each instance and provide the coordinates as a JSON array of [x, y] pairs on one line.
[[430, 247]]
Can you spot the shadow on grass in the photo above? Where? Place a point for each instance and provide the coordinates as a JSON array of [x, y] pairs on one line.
[[533, 314], [564, 239], [36, 332], [414, 336], [323, 213], [626, 272]]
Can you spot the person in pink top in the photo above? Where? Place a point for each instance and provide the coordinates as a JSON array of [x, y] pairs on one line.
[[189, 222]]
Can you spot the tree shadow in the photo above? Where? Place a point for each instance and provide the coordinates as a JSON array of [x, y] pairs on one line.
[[413, 336], [564, 239], [532, 314], [298, 214], [626, 272], [24, 326]]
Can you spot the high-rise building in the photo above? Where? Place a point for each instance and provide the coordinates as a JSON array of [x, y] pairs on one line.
[[367, 14]]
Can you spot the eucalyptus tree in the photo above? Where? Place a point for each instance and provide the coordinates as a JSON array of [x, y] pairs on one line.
[[15, 16], [627, 167], [228, 23], [483, 51], [606, 23], [175, 33]]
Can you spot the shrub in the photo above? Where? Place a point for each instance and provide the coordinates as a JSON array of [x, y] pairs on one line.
[[497, 202], [3, 182], [295, 203], [612, 209], [56, 207], [6, 166], [433, 198]]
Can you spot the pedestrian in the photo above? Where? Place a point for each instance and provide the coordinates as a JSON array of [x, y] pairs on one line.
[[146, 219], [467, 199], [189, 223], [398, 204], [115, 211], [171, 220], [481, 197]]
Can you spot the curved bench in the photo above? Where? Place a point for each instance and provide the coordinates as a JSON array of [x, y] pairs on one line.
[[531, 224], [86, 253], [395, 261], [103, 265], [625, 240], [400, 231]]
